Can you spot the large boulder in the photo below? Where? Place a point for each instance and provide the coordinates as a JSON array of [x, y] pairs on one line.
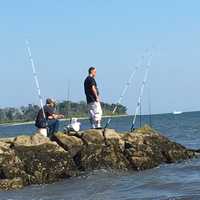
[[114, 138], [10, 165], [44, 161], [93, 137], [71, 143], [102, 150], [145, 148], [11, 184], [11, 168], [7, 140]]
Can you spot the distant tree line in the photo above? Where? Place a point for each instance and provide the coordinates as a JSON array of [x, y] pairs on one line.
[[68, 108]]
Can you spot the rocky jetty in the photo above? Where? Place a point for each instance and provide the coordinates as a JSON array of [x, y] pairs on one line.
[[27, 160]]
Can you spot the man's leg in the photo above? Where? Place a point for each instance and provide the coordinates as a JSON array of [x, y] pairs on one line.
[[53, 126], [98, 114], [92, 122], [92, 115]]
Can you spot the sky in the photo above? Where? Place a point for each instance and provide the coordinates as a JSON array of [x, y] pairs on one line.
[[67, 37]]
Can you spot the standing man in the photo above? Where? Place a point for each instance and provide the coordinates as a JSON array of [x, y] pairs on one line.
[[51, 121], [93, 99]]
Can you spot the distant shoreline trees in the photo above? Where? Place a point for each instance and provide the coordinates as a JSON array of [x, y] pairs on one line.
[[68, 108]]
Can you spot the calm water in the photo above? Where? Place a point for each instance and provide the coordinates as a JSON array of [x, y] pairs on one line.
[[174, 181]]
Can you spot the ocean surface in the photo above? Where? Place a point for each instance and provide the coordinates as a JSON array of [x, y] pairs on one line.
[[166, 182]]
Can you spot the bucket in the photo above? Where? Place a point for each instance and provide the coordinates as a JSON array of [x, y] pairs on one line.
[[43, 131]]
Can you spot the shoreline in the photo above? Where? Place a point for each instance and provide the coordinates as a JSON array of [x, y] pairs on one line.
[[85, 118], [79, 118]]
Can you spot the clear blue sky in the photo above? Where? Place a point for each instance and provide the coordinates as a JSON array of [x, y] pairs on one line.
[[69, 36]]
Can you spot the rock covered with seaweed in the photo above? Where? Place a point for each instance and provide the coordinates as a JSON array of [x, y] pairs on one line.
[[27, 160]]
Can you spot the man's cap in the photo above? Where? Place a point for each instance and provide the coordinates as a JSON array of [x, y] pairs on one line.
[[49, 101]]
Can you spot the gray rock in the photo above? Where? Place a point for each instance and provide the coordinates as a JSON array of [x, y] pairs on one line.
[[146, 148], [44, 161], [11, 184], [72, 143]]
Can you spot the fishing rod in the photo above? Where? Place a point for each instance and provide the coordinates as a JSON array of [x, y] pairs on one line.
[[35, 77], [141, 115], [73, 125], [68, 100], [68, 117], [125, 89], [138, 107], [150, 113], [121, 96]]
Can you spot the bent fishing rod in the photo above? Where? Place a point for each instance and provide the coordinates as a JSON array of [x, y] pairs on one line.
[[35, 78], [141, 92]]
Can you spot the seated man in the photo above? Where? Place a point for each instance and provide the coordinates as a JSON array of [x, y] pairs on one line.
[[51, 118]]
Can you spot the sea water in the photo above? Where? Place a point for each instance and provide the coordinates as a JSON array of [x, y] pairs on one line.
[[168, 181]]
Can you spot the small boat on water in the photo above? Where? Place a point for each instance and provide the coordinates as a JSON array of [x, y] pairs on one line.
[[177, 112]]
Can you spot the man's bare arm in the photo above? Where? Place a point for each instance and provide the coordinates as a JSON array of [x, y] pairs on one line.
[[94, 90], [56, 116]]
